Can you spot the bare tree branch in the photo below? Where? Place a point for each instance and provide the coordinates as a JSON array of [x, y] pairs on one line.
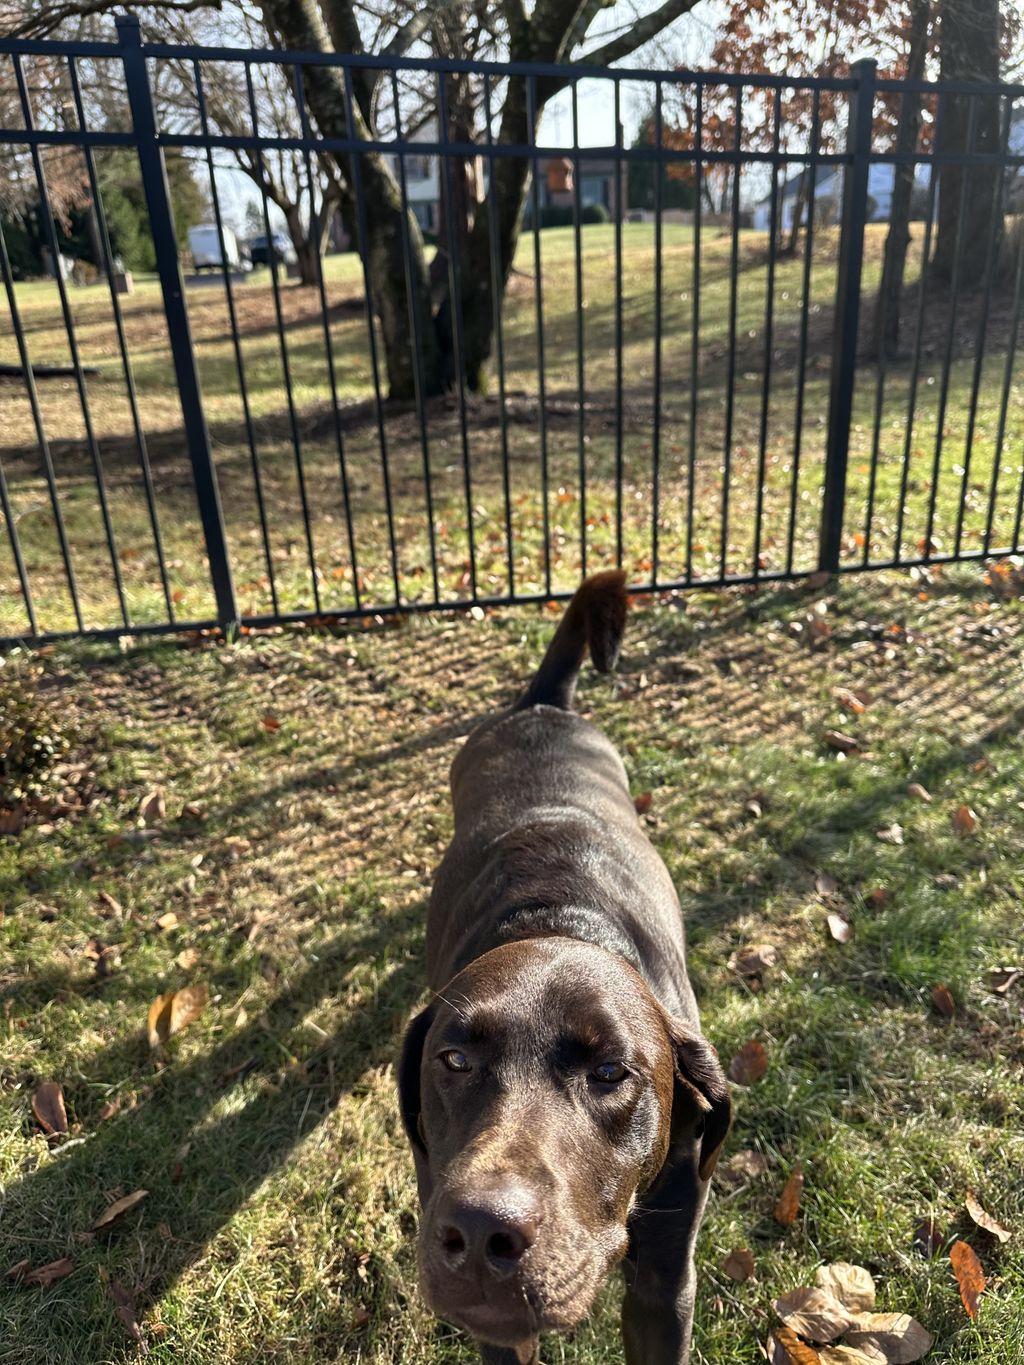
[[589, 12], [645, 28], [50, 17]]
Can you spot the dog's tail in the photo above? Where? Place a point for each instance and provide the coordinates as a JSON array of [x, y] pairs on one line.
[[595, 619]]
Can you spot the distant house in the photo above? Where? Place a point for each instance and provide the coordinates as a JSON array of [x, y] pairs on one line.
[[422, 180], [828, 196], [602, 181]]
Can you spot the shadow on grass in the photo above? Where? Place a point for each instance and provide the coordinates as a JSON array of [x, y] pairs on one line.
[[200, 1159]]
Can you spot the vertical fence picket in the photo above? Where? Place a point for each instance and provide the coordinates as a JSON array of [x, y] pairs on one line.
[[847, 315], [172, 286]]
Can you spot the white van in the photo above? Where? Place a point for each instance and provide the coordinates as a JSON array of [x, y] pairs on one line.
[[207, 253]]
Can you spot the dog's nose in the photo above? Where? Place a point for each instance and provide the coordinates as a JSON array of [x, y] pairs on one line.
[[490, 1229]]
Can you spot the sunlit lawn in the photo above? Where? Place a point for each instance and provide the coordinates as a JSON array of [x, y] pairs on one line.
[[293, 572], [304, 779]]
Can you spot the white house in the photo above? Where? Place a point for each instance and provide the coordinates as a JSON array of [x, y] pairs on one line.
[[422, 179], [828, 196]]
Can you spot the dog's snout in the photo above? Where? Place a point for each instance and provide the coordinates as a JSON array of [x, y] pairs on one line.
[[489, 1229]]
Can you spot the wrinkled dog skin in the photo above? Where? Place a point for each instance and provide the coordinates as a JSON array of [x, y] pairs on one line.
[[564, 1112]]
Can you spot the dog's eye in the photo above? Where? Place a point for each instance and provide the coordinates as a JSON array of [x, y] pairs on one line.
[[609, 1073], [455, 1060]]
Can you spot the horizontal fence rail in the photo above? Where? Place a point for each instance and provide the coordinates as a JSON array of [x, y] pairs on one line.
[[504, 325]]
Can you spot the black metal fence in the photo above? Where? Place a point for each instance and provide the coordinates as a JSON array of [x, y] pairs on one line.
[[700, 375]]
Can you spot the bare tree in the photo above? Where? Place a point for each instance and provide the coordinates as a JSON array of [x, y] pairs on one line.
[[305, 187], [554, 31]]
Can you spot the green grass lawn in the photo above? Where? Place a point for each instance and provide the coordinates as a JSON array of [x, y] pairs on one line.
[[304, 778], [693, 535]]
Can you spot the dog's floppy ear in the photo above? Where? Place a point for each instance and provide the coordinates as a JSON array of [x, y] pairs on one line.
[[409, 1079], [701, 1092]]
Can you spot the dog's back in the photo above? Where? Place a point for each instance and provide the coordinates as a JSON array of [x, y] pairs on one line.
[[546, 835]]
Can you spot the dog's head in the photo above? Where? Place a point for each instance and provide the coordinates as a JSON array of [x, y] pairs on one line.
[[541, 1092]]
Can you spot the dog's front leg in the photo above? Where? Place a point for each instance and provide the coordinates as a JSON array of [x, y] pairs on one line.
[[526, 1354], [657, 1313]]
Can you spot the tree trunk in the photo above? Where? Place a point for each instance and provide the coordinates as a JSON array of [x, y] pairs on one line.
[[890, 290], [788, 249], [405, 313], [306, 243], [968, 51], [507, 193]]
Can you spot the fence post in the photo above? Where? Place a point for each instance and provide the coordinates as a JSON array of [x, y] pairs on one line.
[[847, 311], [172, 285]]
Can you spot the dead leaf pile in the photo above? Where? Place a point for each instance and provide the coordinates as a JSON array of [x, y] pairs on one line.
[[841, 1304]]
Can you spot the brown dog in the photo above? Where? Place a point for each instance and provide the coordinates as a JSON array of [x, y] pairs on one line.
[[564, 1111]]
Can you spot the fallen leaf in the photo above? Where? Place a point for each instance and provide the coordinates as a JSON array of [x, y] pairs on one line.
[[970, 1276], [877, 898], [845, 744], [891, 834], [851, 1355], [750, 961], [48, 1107], [743, 1165], [153, 806], [187, 959], [813, 1313], [108, 901], [785, 1348], [900, 1338], [942, 999], [749, 1064], [852, 1285], [168, 920], [855, 702], [787, 1206], [45, 1275], [1003, 979], [840, 928], [117, 1209], [172, 1012], [18, 1269], [739, 1264], [985, 1220], [918, 792], [643, 802], [124, 1304], [825, 884], [964, 820], [270, 722], [928, 1237], [109, 1110], [13, 821]]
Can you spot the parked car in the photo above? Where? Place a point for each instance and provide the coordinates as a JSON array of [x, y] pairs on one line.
[[213, 252], [279, 247]]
